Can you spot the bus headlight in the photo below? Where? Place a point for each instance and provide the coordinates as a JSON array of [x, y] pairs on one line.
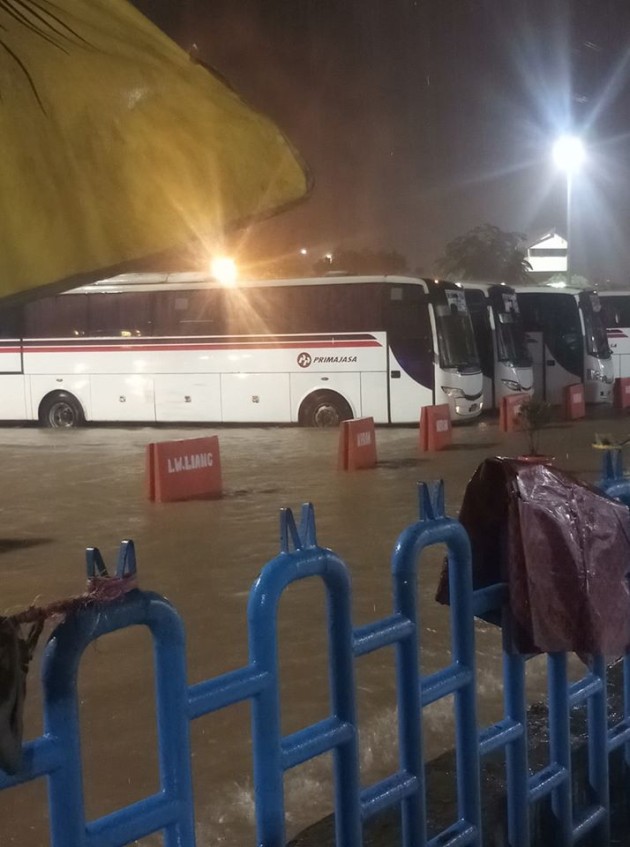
[[594, 376], [512, 384], [452, 392]]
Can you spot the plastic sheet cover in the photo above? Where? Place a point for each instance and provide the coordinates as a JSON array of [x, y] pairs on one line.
[[563, 549], [116, 146]]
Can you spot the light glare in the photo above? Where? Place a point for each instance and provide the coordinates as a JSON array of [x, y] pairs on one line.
[[224, 269], [569, 153]]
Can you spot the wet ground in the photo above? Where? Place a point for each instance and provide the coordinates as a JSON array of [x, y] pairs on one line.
[[63, 491]]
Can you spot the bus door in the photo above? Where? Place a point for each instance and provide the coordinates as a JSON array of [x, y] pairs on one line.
[[410, 371]]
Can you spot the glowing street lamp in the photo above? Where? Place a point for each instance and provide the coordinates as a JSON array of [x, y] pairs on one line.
[[569, 155], [224, 270]]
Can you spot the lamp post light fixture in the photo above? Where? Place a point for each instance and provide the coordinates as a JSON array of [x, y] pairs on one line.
[[569, 155]]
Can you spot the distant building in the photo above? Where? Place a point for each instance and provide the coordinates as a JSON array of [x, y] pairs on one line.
[[547, 255]]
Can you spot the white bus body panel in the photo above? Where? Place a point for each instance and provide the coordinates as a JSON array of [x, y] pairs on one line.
[[256, 398], [619, 343], [374, 398], [618, 334], [406, 396], [13, 406], [11, 356], [193, 398], [600, 388], [123, 397]]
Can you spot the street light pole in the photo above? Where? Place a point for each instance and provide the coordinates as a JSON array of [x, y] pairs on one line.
[[569, 221], [569, 154]]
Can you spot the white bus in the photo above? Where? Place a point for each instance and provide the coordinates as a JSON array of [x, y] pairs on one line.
[[616, 316], [567, 341], [181, 347], [506, 362]]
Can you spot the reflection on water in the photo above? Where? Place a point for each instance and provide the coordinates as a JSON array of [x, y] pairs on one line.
[[86, 487]]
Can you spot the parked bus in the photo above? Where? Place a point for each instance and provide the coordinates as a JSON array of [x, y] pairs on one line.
[[567, 341], [182, 347], [506, 363], [616, 317]]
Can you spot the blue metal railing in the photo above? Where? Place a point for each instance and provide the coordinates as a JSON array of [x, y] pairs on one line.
[[613, 481], [57, 755]]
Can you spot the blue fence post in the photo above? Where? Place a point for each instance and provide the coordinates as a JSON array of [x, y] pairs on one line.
[[458, 679], [613, 481], [273, 754], [597, 709], [560, 745], [517, 771], [172, 809]]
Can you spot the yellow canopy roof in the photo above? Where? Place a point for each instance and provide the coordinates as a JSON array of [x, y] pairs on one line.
[[115, 145]]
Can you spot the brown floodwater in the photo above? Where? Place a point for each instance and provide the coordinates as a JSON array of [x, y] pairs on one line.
[[63, 491]]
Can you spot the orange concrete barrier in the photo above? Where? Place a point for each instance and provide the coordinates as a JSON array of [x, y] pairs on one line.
[[436, 432], [357, 445], [573, 402], [184, 470], [622, 393], [510, 410]]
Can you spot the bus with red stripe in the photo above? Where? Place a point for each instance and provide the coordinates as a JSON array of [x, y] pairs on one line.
[[185, 348], [616, 314]]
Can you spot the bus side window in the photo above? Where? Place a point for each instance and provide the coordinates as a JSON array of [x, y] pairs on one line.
[[63, 316], [11, 320], [408, 318], [125, 314], [189, 312]]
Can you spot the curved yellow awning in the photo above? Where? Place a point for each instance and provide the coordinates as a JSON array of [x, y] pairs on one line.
[[115, 145]]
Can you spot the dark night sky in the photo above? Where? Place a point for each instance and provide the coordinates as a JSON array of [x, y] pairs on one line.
[[422, 118]]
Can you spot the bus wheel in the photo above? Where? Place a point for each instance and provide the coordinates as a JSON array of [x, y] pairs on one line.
[[324, 409], [61, 411]]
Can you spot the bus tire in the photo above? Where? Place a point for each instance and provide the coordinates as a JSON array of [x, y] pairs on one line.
[[324, 409], [61, 410]]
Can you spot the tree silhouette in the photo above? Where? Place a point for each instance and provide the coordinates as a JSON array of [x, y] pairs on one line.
[[486, 254]]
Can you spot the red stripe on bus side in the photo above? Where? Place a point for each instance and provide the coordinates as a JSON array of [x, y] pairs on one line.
[[127, 348]]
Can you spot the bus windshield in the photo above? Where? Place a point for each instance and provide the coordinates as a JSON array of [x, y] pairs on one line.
[[595, 332], [456, 338]]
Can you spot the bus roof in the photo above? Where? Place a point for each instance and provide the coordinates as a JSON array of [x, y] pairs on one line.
[[482, 286], [196, 280], [550, 289]]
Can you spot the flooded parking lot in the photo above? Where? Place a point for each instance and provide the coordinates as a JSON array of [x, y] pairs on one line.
[[65, 490]]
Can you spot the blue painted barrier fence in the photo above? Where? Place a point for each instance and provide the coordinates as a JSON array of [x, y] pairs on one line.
[[613, 480], [57, 755]]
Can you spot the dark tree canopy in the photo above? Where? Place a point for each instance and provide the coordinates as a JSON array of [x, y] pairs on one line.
[[486, 253]]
